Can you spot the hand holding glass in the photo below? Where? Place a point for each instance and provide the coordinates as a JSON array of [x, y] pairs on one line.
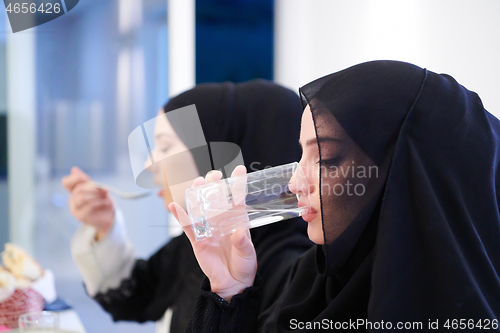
[[247, 201]]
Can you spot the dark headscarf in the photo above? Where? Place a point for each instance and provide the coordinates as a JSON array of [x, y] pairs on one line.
[[263, 119], [426, 246]]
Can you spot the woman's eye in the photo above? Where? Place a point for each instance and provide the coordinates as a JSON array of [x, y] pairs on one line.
[[331, 161], [164, 149]]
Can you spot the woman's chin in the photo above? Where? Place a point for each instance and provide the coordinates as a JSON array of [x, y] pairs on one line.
[[316, 236]]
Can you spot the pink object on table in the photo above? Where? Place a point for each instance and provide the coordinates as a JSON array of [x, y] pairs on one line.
[[5, 328], [22, 301]]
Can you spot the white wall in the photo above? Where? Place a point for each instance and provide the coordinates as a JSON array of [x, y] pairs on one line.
[[181, 46], [21, 136], [314, 38]]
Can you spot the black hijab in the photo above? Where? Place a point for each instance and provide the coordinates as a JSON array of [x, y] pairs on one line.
[[426, 245], [263, 119]]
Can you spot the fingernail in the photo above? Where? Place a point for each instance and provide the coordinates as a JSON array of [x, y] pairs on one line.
[[212, 171]]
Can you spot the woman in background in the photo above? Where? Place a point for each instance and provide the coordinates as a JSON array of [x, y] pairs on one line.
[[412, 244], [263, 119]]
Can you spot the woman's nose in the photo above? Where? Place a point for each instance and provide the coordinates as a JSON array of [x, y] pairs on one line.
[[151, 167], [153, 157], [298, 183]]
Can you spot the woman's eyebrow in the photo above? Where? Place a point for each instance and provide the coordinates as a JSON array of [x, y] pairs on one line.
[[315, 141], [160, 134]]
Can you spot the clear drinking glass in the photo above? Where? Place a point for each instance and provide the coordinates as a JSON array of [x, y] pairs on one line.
[[39, 322], [247, 201]]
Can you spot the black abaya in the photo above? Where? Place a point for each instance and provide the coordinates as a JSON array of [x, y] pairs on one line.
[[426, 248]]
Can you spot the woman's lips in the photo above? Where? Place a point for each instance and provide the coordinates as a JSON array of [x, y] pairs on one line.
[[308, 214]]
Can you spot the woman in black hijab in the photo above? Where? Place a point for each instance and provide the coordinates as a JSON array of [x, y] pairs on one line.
[[262, 118], [413, 244]]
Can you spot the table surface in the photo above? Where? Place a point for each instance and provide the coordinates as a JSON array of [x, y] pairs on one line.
[[69, 322]]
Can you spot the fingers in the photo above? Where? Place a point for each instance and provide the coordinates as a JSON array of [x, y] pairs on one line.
[[179, 214], [78, 200], [213, 176], [240, 185], [210, 177], [198, 182], [87, 189], [243, 245], [77, 170], [85, 212], [94, 205], [188, 230], [171, 207], [76, 177], [239, 170], [85, 198]]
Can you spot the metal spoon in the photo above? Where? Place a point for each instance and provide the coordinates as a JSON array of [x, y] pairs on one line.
[[121, 194]]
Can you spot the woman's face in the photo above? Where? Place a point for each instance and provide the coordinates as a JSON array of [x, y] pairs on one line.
[[340, 188], [310, 157], [167, 144]]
